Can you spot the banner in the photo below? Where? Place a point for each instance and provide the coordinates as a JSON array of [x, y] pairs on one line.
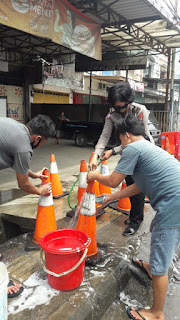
[[57, 20]]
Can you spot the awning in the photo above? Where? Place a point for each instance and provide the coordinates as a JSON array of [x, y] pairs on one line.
[[135, 24]]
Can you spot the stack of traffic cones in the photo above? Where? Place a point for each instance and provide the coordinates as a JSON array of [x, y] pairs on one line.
[[104, 172], [123, 205], [57, 190], [167, 145], [87, 223], [46, 220], [82, 186]]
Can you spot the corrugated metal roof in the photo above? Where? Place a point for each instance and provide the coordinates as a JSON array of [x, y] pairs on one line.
[[135, 24]]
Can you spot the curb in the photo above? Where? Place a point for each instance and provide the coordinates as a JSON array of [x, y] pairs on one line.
[[94, 307]]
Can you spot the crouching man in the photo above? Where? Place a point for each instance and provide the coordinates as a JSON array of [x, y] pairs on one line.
[[17, 142], [157, 174]]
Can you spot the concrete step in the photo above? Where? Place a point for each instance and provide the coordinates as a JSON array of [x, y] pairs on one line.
[[101, 286]]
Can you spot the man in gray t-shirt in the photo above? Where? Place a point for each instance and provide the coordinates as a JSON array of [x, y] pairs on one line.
[[157, 174], [17, 142]]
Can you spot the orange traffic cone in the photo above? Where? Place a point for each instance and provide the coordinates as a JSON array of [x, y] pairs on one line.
[[57, 190], [123, 205], [104, 172], [167, 145], [82, 186], [45, 221], [87, 222]]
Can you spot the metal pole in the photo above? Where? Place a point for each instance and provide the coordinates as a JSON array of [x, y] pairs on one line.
[[172, 88], [167, 83], [90, 89], [127, 75]]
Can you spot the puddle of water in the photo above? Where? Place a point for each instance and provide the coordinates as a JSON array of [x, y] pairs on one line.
[[36, 292]]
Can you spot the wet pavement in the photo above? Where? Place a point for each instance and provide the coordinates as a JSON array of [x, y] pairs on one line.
[[108, 287]]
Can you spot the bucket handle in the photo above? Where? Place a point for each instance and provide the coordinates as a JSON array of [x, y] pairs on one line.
[[58, 275]]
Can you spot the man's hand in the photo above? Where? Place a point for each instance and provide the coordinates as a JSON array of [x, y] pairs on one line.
[[107, 199], [93, 163], [45, 189], [106, 155], [38, 174], [92, 175]]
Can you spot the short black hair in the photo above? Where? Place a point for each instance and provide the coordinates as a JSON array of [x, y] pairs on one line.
[[121, 91], [132, 125], [42, 125]]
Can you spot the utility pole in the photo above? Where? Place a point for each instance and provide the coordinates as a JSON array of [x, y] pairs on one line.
[[90, 89], [172, 89], [167, 83]]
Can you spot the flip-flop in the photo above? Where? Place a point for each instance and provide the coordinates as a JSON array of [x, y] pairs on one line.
[[14, 294], [1, 257], [141, 267], [128, 311]]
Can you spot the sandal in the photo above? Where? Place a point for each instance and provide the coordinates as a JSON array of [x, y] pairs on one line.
[[141, 267], [14, 294], [128, 311]]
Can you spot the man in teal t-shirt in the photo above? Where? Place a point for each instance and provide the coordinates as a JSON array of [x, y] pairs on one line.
[[157, 174]]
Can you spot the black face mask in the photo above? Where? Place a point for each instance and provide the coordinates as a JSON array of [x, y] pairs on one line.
[[121, 109], [34, 146]]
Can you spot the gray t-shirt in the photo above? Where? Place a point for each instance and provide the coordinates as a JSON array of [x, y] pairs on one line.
[[157, 175], [15, 146]]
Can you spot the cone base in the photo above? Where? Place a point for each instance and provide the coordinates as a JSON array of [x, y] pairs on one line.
[[93, 259], [71, 213], [99, 213], [61, 195], [30, 244], [114, 207]]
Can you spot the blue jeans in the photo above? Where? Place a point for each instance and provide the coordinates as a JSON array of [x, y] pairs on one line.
[[164, 244]]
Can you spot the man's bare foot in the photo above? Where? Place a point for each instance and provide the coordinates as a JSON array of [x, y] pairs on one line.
[[146, 267], [146, 314]]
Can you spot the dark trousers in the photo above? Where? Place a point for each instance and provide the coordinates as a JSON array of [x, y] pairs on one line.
[[137, 207]]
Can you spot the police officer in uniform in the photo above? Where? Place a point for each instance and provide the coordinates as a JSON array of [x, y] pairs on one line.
[[121, 98]]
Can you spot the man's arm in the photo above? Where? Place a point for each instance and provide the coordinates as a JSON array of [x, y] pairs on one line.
[[25, 185], [104, 137], [111, 181], [102, 143], [144, 116], [130, 191]]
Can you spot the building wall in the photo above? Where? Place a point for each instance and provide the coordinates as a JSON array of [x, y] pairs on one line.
[[40, 97], [15, 100]]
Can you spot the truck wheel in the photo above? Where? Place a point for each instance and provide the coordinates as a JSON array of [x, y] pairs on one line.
[[80, 140]]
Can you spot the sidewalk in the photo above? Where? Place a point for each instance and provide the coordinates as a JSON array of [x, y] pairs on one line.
[[101, 286], [108, 287]]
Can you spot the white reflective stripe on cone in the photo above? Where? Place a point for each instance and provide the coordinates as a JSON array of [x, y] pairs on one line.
[[88, 207], [46, 201], [53, 167], [83, 180], [104, 170]]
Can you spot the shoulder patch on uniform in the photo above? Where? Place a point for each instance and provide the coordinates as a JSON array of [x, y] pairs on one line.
[[141, 116], [108, 115]]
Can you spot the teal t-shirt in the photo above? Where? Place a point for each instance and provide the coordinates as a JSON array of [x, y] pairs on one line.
[[157, 175]]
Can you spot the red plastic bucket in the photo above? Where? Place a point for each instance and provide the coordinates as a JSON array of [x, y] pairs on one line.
[[65, 251]]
